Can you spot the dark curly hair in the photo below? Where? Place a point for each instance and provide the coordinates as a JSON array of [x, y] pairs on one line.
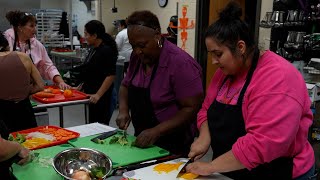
[[229, 28], [96, 27], [144, 18], [18, 18], [3, 42]]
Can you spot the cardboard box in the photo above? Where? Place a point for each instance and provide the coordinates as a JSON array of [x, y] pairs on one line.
[[314, 92]]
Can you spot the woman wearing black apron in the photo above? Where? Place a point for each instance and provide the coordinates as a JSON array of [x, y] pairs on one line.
[[19, 78], [249, 140], [162, 88], [10, 152]]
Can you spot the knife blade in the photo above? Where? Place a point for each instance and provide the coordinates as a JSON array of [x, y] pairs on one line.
[[103, 136], [183, 170]]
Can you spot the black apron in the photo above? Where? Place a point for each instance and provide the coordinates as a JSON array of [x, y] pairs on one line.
[[143, 117], [226, 125], [5, 166], [17, 115]]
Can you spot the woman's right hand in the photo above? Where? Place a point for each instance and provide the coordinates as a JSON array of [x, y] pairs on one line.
[[123, 120], [198, 149]]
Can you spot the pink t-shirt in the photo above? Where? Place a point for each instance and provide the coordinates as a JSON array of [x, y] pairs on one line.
[[276, 112], [39, 55]]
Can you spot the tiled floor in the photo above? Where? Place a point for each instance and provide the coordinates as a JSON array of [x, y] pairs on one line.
[[74, 116]]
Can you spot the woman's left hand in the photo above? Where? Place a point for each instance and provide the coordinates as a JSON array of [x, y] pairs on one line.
[[147, 138], [94, 98], [200, 168], [64, 86]]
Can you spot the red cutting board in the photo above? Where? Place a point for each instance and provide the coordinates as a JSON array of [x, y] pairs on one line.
[[77, 95], [53, 130]]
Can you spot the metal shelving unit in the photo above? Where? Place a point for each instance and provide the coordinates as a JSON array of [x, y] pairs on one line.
[[48, 23]]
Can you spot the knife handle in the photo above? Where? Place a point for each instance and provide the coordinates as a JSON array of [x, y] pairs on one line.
[[105, 135]]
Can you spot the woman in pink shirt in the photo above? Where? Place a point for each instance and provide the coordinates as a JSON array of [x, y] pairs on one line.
[[21, 38], [256, 113]]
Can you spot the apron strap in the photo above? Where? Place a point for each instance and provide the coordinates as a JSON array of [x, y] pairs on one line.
[[29, 44], [14, 48], [154, 70], [155, 67], [249, 75]]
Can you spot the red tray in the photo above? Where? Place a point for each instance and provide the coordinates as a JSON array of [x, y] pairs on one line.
[[77, 95], [50, 130]]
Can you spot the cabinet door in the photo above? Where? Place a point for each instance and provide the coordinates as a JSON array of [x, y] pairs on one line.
[[215, 7]]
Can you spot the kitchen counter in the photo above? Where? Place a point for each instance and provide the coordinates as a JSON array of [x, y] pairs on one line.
[[37, 171], [61, 105]]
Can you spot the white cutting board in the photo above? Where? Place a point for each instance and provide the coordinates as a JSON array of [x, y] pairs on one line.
[[148, 173]]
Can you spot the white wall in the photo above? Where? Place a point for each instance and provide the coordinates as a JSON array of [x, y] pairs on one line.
[[55, 4], [10, 5], [163, 14], [81, 15], [265, 33], [125, 8]]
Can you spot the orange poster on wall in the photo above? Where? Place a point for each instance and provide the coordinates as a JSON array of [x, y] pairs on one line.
[[183, 25]]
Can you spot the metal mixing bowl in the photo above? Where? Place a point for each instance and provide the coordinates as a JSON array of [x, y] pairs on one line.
[[68, 161]]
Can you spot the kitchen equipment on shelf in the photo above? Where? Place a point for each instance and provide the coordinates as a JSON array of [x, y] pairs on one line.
[[266, 22], [48, 24], [277, 18]]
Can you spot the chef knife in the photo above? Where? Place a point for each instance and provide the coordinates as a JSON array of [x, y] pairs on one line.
[[121, 170], [183, 170], [103, 136]]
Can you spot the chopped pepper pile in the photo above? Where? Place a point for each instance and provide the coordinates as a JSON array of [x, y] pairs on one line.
[[20, 138]]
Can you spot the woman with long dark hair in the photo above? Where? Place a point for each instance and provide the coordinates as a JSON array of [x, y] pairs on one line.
[[98, 71], [256, 114]]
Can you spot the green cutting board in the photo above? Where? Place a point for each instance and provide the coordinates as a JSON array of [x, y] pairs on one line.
[[121, 155], [34, 171], [33, 103]]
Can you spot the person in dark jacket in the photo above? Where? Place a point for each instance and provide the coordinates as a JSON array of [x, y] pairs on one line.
[[98, 71]]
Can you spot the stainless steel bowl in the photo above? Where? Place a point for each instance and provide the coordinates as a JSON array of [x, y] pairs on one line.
[[68, 161]]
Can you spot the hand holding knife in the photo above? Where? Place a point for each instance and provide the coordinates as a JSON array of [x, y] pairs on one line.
[[183, 170], [103, 136]]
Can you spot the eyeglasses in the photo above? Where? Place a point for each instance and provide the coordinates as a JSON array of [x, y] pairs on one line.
[[26, 14]]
